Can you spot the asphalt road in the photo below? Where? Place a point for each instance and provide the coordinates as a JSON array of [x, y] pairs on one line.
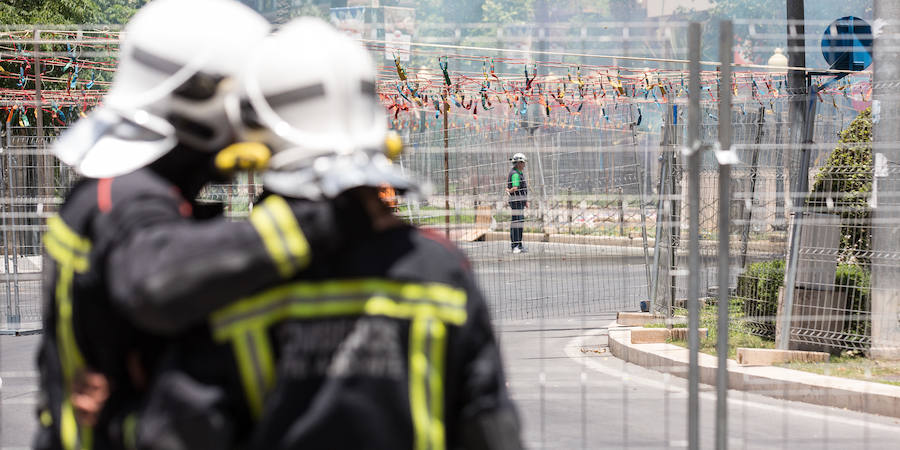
[[557, 280], [18, 392], [551, 280], [572, 399]]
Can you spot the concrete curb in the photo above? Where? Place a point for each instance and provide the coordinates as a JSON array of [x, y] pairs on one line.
[[776, 382], [622, 241]]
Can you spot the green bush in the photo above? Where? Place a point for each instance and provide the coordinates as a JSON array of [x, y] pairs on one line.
[[757, 291], [856, 281]]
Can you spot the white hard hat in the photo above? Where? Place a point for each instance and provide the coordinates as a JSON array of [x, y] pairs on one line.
[[309, 94], [174, 61], [518, 157]]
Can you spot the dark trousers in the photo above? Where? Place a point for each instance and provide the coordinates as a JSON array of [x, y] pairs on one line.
[[518, 222]]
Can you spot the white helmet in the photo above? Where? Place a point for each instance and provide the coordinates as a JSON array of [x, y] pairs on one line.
[[169, 87], [309, 95], [518, 157]]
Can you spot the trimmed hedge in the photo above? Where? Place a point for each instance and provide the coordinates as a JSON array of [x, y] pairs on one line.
[[856, 281], [757, 292]]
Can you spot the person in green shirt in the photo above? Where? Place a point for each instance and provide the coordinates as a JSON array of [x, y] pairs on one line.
[[517, 189]]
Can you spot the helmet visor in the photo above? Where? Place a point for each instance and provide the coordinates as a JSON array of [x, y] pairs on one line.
[[109, 144], [331, 176]]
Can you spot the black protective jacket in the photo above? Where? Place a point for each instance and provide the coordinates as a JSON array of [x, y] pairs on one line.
[[388, 347], [125, 260]]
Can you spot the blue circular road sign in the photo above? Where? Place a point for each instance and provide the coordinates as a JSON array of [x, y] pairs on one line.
[[847, 44]]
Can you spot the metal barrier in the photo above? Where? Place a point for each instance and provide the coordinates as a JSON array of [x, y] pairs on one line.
[[630, 202]]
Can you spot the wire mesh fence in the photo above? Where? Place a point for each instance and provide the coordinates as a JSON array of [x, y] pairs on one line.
[[606, 227], [585, 206], [606, 173]]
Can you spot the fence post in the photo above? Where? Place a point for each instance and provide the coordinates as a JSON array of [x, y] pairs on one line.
[[43, 179], [621, 202], [671, 140], [12, 311], [446, 112], [885, 267], [802, 117], [693, 300], [4, 180], [660, 229], [726, 158], [783, 336], [754, 172]]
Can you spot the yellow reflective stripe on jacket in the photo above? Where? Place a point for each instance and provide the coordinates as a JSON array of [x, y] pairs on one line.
[[66, 235], [246, 322], [342, 297], [129, 432], [438, 334], [257, 366], [294, 239], [418, 367], [250, 370], [70, 354], [72, 436], [427, 341], [281, 234], [66, 246], [71, 253]]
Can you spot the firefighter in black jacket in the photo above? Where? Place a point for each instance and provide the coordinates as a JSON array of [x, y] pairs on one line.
[[124, 248], [387, 346]]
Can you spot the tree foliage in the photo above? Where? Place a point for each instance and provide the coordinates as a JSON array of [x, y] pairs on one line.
[[508, 11], [118, 11], [770, 16], [29, 12], [517, 11], [844, 184], [48, 12]]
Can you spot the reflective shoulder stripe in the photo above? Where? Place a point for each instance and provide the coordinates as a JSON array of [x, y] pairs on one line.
[[66, 246], [68, 236], [281, 234], [264, 223], [295, 241]]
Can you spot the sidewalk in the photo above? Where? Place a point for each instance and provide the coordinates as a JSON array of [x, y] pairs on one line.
[[776, 382]]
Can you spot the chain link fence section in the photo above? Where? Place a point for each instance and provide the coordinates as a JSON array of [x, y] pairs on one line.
[[29, 193], [606, 220], [584, 225], [834, 314], [51, 76]]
